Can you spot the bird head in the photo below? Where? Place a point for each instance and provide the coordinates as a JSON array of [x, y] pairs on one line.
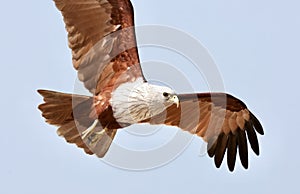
[[171, 98], [166, 96]]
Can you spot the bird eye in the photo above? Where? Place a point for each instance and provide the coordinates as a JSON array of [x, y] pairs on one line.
[[166, 94]]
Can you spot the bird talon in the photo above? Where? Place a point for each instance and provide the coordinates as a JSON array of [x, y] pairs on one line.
[[94, 138], [90, 137]]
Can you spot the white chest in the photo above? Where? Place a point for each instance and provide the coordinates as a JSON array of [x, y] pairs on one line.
[[134, 102]]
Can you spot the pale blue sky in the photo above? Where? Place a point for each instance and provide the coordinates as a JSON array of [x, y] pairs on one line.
[[256, 47]]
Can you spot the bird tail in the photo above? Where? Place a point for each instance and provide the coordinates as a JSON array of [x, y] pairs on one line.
[[72, 114]]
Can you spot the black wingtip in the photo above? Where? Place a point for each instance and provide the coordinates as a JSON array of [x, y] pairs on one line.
[[220, 149], [231, 152], [243, 148], [237, 142], [257, 124], [252, 137]]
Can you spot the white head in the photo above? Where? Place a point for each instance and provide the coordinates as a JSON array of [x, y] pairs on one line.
[[137, 101], [162, 95]]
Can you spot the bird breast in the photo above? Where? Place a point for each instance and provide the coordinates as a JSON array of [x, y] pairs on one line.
[[133, 102]]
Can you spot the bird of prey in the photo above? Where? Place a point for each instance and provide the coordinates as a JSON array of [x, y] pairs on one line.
[[104, 51]]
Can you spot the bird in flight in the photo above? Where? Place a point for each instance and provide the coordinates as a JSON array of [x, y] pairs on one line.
[[104, 52]]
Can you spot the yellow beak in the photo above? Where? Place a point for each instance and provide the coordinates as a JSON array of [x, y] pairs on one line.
[[175, 100]]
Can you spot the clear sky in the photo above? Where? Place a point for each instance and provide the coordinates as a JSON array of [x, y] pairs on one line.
[[255, 45]]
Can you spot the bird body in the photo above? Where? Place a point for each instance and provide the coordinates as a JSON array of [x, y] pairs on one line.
[[104, 50]]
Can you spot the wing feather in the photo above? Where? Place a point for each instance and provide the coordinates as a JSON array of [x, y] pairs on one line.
[[220, 149], [231, 151], [243, 148], [257, 124], [222, 120], [211, 147], [102, 39], [252, 138]]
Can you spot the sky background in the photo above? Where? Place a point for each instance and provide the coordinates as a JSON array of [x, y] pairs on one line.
[[255, 45]]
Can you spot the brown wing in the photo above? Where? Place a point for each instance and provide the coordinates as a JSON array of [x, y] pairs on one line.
[[102, 39], [221, 120]]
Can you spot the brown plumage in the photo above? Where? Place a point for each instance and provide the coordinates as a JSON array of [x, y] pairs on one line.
[[220, 119], [102, 39], [72, 114], [89, 24]]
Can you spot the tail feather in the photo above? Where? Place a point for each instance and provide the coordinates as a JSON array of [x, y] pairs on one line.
[[57, 109], [71, 113]]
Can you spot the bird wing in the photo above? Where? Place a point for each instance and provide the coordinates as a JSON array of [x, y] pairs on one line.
[[222, 120], [102, 39]]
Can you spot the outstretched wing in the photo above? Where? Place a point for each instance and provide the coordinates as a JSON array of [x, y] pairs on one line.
[[102, 39], [222, 120]]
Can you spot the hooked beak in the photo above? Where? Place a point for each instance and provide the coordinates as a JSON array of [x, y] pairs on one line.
[[175, 100]]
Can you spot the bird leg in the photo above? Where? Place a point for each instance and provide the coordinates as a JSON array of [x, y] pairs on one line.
[[91, 137]]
